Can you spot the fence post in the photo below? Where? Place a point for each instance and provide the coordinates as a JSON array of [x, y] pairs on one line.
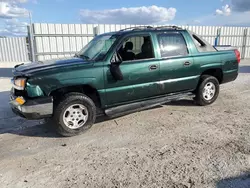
[[244, 43], [217, 39], [31, 43], [96, 30]]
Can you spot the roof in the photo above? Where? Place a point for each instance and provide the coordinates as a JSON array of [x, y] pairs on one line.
[[146, 28], [150, 28]]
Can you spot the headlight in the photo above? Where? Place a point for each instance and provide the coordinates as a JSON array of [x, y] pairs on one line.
[[19, 83]]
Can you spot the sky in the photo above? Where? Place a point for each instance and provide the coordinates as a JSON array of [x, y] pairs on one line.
[[15, 14]]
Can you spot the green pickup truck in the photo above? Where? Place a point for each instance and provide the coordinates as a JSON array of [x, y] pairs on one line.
[[119, 73]]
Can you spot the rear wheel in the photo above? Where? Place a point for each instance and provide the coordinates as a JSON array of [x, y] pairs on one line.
[[207, 91], [75, 114]]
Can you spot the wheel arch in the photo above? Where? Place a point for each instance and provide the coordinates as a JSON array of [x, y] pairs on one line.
[[86, 89], [216, 72]]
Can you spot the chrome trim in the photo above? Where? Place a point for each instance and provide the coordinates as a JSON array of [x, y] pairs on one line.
[[13, 102], [41, 109], [177, 79]]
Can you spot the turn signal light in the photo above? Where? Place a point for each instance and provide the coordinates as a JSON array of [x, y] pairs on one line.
[[20, 100]]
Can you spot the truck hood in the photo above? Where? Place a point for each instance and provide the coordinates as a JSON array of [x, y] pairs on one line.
[[29, 68]]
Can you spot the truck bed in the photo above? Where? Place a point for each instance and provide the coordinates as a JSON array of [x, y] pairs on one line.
[[225, 47]]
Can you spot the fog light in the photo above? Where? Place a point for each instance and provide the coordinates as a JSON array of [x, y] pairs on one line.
[[20, 100]]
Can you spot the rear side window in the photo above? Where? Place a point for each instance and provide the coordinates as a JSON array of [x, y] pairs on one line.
[[172, 44], [202, 45], [198, 42]]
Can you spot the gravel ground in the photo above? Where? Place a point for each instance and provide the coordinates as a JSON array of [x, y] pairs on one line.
[[178, 145]]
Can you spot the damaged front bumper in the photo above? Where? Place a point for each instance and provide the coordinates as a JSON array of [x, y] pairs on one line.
[[38, 108]]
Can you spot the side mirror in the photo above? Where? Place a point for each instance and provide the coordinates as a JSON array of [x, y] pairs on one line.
[[115, 67], [117, 59]]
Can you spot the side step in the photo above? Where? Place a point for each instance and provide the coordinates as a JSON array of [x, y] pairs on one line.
[[139, 106]]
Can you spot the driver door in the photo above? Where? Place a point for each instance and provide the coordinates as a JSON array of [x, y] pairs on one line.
[[139, 74]]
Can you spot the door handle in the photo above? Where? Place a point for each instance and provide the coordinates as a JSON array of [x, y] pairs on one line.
[[187, 63], [153, 67]]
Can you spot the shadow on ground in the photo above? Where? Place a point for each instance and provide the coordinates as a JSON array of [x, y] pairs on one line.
[[13, 124], [36, 130], [10, 123], [183, 102], [244, 69], [5, 72], [242, 181]]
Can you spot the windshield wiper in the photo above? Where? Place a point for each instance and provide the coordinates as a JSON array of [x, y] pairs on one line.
[[76, 55], [84, 56], [81, 56]]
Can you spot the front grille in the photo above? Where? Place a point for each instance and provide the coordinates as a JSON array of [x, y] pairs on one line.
[[20, 93]]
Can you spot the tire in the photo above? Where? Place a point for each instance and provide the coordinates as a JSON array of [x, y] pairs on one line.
[[203, 96], [78, 104]]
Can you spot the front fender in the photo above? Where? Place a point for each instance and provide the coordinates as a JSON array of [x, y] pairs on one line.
[[47, 85], [34, 90]]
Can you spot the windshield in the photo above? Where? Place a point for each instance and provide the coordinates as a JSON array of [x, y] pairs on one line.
[[97, 48]]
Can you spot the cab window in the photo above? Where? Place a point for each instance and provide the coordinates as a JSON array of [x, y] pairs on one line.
[[137, 48], [172, 44]]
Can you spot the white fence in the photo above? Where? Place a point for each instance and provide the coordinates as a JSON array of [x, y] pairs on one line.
[[13, 49], [59, 40]]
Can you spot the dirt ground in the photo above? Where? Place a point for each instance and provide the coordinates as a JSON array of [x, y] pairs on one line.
[[178, 145]]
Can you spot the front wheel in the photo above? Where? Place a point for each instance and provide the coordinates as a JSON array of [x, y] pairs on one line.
[[207, 91], [75, 114]]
